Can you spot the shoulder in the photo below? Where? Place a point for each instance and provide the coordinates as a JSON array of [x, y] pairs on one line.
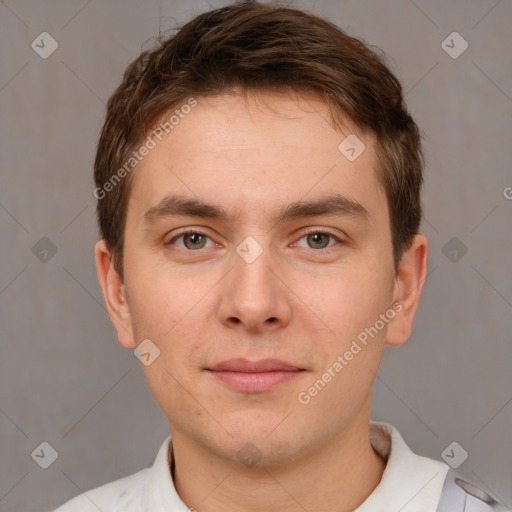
[[139, 491], [461, 495], [121, 494], [447, 490]]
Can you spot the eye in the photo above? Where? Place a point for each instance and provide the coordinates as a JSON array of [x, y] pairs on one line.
[[319, 239], [192, 240]]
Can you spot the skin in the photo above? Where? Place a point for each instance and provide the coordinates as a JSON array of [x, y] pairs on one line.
[[299, 301]]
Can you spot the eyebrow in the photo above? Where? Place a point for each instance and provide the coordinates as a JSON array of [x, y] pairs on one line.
[[332, 204]]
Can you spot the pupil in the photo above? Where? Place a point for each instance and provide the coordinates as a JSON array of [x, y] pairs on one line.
[[317, 238], [194, 239]]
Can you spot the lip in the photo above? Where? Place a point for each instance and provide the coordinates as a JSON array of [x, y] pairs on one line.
[[254, 376], [245, 366]]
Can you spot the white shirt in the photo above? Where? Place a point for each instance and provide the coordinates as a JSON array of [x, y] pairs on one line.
[[410, 483]]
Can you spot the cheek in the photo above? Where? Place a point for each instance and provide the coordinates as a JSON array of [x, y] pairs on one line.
[[353, 307], [160, 300], [169, 387], [168, 311], [354, 301]]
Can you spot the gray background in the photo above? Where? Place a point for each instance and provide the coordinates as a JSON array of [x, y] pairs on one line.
[[63, 377]]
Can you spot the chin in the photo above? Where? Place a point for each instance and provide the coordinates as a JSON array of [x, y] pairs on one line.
[[256, 423], [262, 451]]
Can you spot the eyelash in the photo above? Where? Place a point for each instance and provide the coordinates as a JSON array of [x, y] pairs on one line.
[[199, 232]]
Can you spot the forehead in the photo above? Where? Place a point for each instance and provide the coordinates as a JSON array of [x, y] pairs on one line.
[[250, 153]]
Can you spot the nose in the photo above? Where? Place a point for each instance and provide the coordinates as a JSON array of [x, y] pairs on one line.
[[254, 296]]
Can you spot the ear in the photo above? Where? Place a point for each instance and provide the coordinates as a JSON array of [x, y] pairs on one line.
[[114, 295], [409, 281]]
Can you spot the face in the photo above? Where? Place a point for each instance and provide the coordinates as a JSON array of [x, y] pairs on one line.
[[271, 312]]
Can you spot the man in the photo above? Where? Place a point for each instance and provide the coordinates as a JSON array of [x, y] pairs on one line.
[[258, 181]]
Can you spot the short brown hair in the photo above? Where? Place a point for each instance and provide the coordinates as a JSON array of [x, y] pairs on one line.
[[255, 47]]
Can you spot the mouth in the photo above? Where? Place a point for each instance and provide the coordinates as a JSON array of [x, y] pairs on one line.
[[254, 376]]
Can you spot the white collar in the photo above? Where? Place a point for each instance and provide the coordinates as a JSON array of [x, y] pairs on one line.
[[410, 483]]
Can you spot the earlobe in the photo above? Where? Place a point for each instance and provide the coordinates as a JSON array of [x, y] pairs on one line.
[[114, 295], [409, 281]]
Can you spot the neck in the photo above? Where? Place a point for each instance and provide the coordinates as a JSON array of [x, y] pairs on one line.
[[338, 476]]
